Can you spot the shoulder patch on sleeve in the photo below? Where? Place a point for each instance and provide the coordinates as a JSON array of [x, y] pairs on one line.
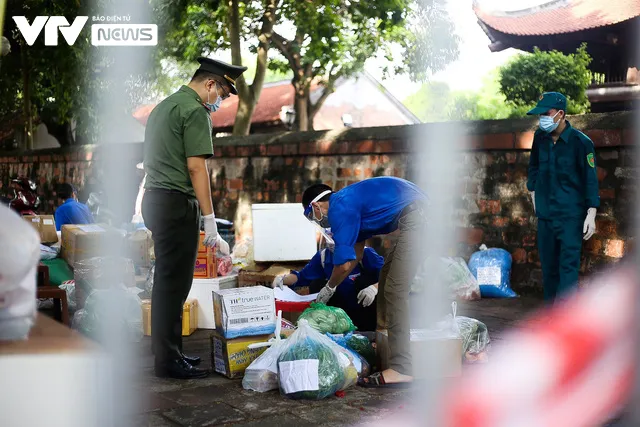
[[591, 160]]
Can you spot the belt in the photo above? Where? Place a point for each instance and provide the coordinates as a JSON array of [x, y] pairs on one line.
[[414, 206], [167, 191]]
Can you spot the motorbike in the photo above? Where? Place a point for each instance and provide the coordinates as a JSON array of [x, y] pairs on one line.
[[22, 196]]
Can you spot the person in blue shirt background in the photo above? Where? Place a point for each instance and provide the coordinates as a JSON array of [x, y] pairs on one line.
[[356, 293], [70, 210], [369, 208]]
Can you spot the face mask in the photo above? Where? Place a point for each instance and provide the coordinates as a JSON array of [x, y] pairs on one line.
[[323, 221], [547, 124], [213, 107]]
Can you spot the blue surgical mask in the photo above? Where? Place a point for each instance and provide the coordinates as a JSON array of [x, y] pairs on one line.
[[213, 107], [547, 124]]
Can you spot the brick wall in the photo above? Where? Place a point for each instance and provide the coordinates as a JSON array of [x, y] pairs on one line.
[[493, 206]]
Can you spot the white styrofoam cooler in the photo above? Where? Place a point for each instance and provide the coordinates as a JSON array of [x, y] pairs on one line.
[[202, 290], [282, 233]]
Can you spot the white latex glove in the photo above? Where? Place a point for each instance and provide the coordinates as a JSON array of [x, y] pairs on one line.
[[367, 295], [278, 282], [589, 227], [533, 200], [325, 294], [222, 245], [210, 231]]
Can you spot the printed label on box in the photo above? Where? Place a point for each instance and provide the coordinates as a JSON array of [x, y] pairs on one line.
[[245, 311]]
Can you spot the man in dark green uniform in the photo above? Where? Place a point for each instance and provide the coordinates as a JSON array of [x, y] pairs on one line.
[[564, 188], [177, 189]]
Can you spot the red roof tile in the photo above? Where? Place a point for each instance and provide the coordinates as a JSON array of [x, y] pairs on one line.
[[272, 99], [569, 16]]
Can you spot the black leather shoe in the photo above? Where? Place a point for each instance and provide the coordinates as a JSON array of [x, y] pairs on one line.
[[192, 360], [179, 369]]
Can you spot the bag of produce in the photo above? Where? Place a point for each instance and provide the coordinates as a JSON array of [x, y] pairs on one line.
[[362, 366], [324, 318], [361, 345], [474, 334], [311, 366]]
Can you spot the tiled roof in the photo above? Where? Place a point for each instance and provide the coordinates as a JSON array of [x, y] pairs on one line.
[[562, 16], [272, 98]]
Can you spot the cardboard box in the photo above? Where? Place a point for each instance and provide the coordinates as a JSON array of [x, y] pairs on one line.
[[244, 311], [45, 225], [202, 249], [231, 357], [448, 352], [264, 277], [140, 247], [81, 242], [189, 317], [206, 267]]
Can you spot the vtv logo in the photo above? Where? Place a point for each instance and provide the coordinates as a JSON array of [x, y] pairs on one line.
[[30, 32]]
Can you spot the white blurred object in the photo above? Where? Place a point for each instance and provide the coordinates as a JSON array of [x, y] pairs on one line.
[[19, 260], [572, 365], [48, 252], [282, 233]]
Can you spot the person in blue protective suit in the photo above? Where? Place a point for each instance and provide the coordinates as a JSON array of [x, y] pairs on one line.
[[71, 211], [374, 207], [563, 183], [355, 295]]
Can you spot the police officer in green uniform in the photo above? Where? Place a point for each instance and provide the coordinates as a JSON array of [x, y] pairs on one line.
[[178, 140], [564, 188]]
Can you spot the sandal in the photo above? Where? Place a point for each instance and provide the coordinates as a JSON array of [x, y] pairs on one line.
[[377, 380]]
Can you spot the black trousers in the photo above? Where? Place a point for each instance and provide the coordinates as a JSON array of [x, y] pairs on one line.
[[174, 221]]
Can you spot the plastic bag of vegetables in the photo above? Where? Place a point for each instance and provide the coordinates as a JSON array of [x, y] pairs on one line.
[[362, 366], [324, 318], [311, 366], [474, 334]]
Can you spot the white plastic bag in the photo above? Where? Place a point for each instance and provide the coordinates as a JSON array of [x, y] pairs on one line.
[[462, 283], [19, 259], [262, 373], [312, 366], [48, 252]]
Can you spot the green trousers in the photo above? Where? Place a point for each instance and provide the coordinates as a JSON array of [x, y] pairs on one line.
[[559, 245]]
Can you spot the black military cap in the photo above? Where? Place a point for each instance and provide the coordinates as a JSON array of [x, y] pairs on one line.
[[222, 69]]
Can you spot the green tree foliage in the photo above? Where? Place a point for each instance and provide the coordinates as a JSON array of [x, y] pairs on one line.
[[334, 40], [526, 76], [193, 28], [435, 102]]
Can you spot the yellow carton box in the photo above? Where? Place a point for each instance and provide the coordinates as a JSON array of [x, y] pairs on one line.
[[231, 357], [189, 317]]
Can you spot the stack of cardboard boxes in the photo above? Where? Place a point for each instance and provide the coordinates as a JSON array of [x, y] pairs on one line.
[[206, 266], [243, 316]]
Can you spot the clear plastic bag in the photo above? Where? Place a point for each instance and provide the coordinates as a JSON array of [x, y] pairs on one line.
[[461, 281], [474, 334], [69, 287], [262, 374], [116, 310], [311, 366], [324, 318], [362, 366], [48, 252], [103, 272], [148, 284]]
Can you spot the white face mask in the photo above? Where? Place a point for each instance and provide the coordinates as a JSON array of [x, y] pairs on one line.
[[213, 107], [547, 124]]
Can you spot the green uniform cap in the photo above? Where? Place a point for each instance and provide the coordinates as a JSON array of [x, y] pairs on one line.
[[549, 101]]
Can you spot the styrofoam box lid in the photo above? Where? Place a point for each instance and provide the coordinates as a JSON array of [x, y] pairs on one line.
[[277, 206], [217, 280], [244, 291]]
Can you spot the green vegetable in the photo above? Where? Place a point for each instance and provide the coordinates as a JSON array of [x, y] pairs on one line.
[[361, 345], [325, 319]]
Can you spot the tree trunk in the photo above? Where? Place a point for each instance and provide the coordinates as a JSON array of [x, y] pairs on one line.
[[26, 103], [302, 93], [249, 95]]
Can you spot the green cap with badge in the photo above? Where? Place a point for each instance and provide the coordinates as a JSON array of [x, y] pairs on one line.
[[549, 101]]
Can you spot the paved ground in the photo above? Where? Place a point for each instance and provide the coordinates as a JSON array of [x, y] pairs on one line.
[[217, 401]]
